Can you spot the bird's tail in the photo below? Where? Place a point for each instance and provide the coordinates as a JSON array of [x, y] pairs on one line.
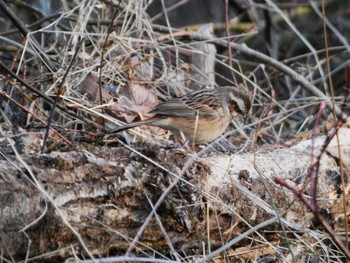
[[129, 126]]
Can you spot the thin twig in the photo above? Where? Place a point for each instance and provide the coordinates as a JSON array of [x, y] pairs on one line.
[[45, 97], [163, 230], [4, 94], [317, 215], [227, 22], [24, 31], [60, 87], [109, 31], [237, 239], [33, 25], [312, 205], [341, 165]]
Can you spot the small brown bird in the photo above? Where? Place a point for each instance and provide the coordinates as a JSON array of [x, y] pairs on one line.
[[201, 115]]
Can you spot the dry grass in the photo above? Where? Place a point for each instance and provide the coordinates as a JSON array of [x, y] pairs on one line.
[[136, 53]]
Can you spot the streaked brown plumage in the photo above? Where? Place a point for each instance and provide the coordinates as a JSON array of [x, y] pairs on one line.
[[202, 115]]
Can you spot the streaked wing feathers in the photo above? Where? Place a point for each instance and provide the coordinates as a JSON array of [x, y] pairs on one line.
[[185, 107]]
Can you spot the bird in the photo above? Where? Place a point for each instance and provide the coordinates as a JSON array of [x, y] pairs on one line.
[[201, 115]]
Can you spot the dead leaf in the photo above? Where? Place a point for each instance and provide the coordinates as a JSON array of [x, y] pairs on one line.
[[134, 104], [141, 68], [135, 98], [130, 105], [142, 95], [90, 86]]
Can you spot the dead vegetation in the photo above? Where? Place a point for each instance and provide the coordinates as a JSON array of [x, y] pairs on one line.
[[273, 189]]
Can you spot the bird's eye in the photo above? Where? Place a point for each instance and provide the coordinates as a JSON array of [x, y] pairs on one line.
[[233, 107]]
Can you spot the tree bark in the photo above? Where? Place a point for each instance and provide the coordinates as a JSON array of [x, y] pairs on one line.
[[101, 195]]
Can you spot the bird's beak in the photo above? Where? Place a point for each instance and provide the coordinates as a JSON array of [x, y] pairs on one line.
[[246, 119]]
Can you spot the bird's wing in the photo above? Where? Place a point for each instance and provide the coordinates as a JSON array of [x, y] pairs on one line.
[[185, 107]]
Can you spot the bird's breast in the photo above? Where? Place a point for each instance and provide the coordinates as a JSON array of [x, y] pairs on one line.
[[200, 130]]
